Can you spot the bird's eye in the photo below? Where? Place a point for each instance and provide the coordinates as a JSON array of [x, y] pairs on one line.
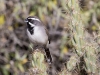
[[30, 20]]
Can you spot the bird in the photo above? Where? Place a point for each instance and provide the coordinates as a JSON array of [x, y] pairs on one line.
[[38, 34]]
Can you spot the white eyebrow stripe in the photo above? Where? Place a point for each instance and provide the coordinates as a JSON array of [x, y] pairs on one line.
[[34, 19], [31, 24]]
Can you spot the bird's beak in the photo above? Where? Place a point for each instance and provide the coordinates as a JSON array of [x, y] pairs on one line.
[[25, 20]]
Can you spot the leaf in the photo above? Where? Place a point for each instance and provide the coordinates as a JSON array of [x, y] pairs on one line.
[[64, 50], [2, 20], [94, 28], [55, 2], [20, 66]]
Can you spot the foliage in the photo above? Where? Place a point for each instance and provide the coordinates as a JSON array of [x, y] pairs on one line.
[[74, 28]]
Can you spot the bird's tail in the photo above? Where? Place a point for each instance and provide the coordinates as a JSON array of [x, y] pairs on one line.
[[48, 55]]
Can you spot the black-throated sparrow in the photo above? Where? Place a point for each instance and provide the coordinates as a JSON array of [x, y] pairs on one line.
[[38, 34]]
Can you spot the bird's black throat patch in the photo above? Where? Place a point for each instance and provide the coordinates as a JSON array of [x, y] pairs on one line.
[[31, 29]]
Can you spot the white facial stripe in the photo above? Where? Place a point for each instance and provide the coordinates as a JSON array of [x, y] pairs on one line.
[[34, 19], [31, 24]]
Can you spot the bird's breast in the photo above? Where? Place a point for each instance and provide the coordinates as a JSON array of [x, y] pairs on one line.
[[39, 36]]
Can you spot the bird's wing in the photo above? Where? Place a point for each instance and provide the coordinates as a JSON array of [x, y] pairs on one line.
[[48, 35]]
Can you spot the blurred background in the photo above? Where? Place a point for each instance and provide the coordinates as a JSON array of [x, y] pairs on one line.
[[56, 16]]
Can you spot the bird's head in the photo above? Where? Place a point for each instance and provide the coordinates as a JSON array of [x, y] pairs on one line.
[[32, 21]]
